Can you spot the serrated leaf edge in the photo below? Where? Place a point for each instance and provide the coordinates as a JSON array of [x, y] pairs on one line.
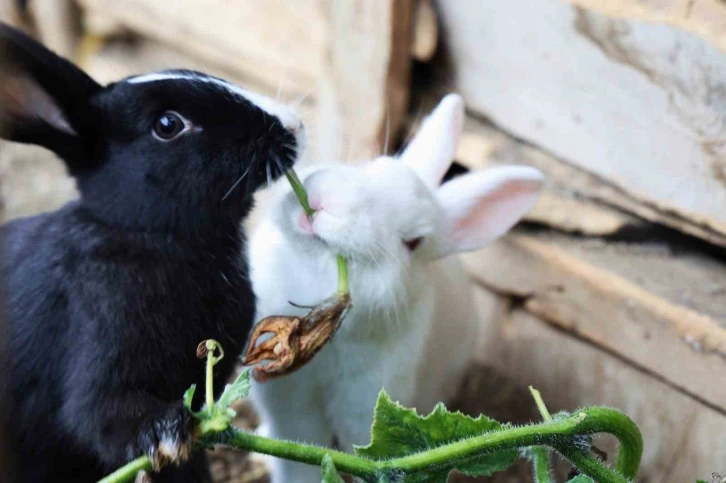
[[383, 397], [242, 378]]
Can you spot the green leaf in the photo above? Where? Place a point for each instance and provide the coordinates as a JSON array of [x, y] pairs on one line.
[[188, 396], [330, 474], [235, 391], [581, 479], [398, 432]]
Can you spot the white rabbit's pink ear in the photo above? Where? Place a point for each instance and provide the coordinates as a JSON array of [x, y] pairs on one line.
[[480, 207], [432, 150]]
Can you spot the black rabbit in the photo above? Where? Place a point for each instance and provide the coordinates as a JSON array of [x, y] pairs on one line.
[[109, 296]]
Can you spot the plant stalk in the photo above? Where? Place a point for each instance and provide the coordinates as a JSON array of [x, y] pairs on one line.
[[540, 454], [342, 275], [302, 196], [209, 396], [557, 435], [541, 464], [300, 192]]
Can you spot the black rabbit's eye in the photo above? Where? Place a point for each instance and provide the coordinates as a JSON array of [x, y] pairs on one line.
[[168, 126]]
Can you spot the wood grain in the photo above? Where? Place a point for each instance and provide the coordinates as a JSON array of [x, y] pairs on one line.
[[683, 438], [682, 345], [365, 84], [636, 104], [575, 200], [275, 41]]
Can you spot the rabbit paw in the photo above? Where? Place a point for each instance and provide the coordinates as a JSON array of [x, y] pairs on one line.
[[168, 438]]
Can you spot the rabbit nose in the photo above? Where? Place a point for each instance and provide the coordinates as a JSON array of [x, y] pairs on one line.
[[297, 128], [305, 223]]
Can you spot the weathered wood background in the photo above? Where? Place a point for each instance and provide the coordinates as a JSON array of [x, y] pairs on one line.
[[614, 290]]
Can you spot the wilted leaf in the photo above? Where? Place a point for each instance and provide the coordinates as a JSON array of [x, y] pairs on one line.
[[188, 396], [295, 340], [239, 389], [330, 474], [398, 432]]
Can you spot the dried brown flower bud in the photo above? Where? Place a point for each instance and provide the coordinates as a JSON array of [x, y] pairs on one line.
[[295, 340]]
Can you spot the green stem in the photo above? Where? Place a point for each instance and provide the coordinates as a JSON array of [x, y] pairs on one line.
[[342, 275], [557, 434], [129, 471], [540, 404], [209, 397], [541, 464], [302, 197], [313, 455], [606, 420], [300, 192], [541, 455]]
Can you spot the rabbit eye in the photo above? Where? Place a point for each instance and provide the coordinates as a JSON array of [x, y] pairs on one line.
[[168, 126], [413, 243]]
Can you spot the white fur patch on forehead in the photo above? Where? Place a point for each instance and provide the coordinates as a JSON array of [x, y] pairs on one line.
[[286, 116]]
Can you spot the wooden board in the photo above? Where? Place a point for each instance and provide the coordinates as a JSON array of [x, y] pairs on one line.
[[275, 41], [706, 18], [636, 104], [364, 88], [55, 25], [32, 180], [9, 12], [683, 438], [663, 314], [574, 199]]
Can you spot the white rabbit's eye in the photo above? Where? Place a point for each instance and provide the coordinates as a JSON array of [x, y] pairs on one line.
[[413, 243], [168, 126]]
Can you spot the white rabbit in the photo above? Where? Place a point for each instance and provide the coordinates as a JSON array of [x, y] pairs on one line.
[[413, 325]]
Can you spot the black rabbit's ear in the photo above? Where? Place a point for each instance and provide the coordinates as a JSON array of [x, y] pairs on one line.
[[44, 99]]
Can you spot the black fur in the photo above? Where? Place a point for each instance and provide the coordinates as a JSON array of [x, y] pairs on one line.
[[109, 296]]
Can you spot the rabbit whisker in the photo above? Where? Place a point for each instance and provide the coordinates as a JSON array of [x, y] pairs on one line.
[[394, 258], [388, 133], [277, 161], [268, 171], [236, 183], [396, 319], [300, 100], [279, 90]]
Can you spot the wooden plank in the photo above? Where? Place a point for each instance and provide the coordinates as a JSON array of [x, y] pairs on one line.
[[619, 301], [575, 200], [32, 180], [365, 84], [567, 202], [55, 25], [425, 32], [115, 60], [706, 18], [635, 104], [9, 12], [274, 41], [683, 438]]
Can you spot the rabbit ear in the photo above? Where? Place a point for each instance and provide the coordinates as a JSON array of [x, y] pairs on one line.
[[432, 150], [44, 98], [480, 207]]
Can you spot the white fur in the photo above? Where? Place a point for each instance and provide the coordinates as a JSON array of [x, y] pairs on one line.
[[413, 326], [287, 117]]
